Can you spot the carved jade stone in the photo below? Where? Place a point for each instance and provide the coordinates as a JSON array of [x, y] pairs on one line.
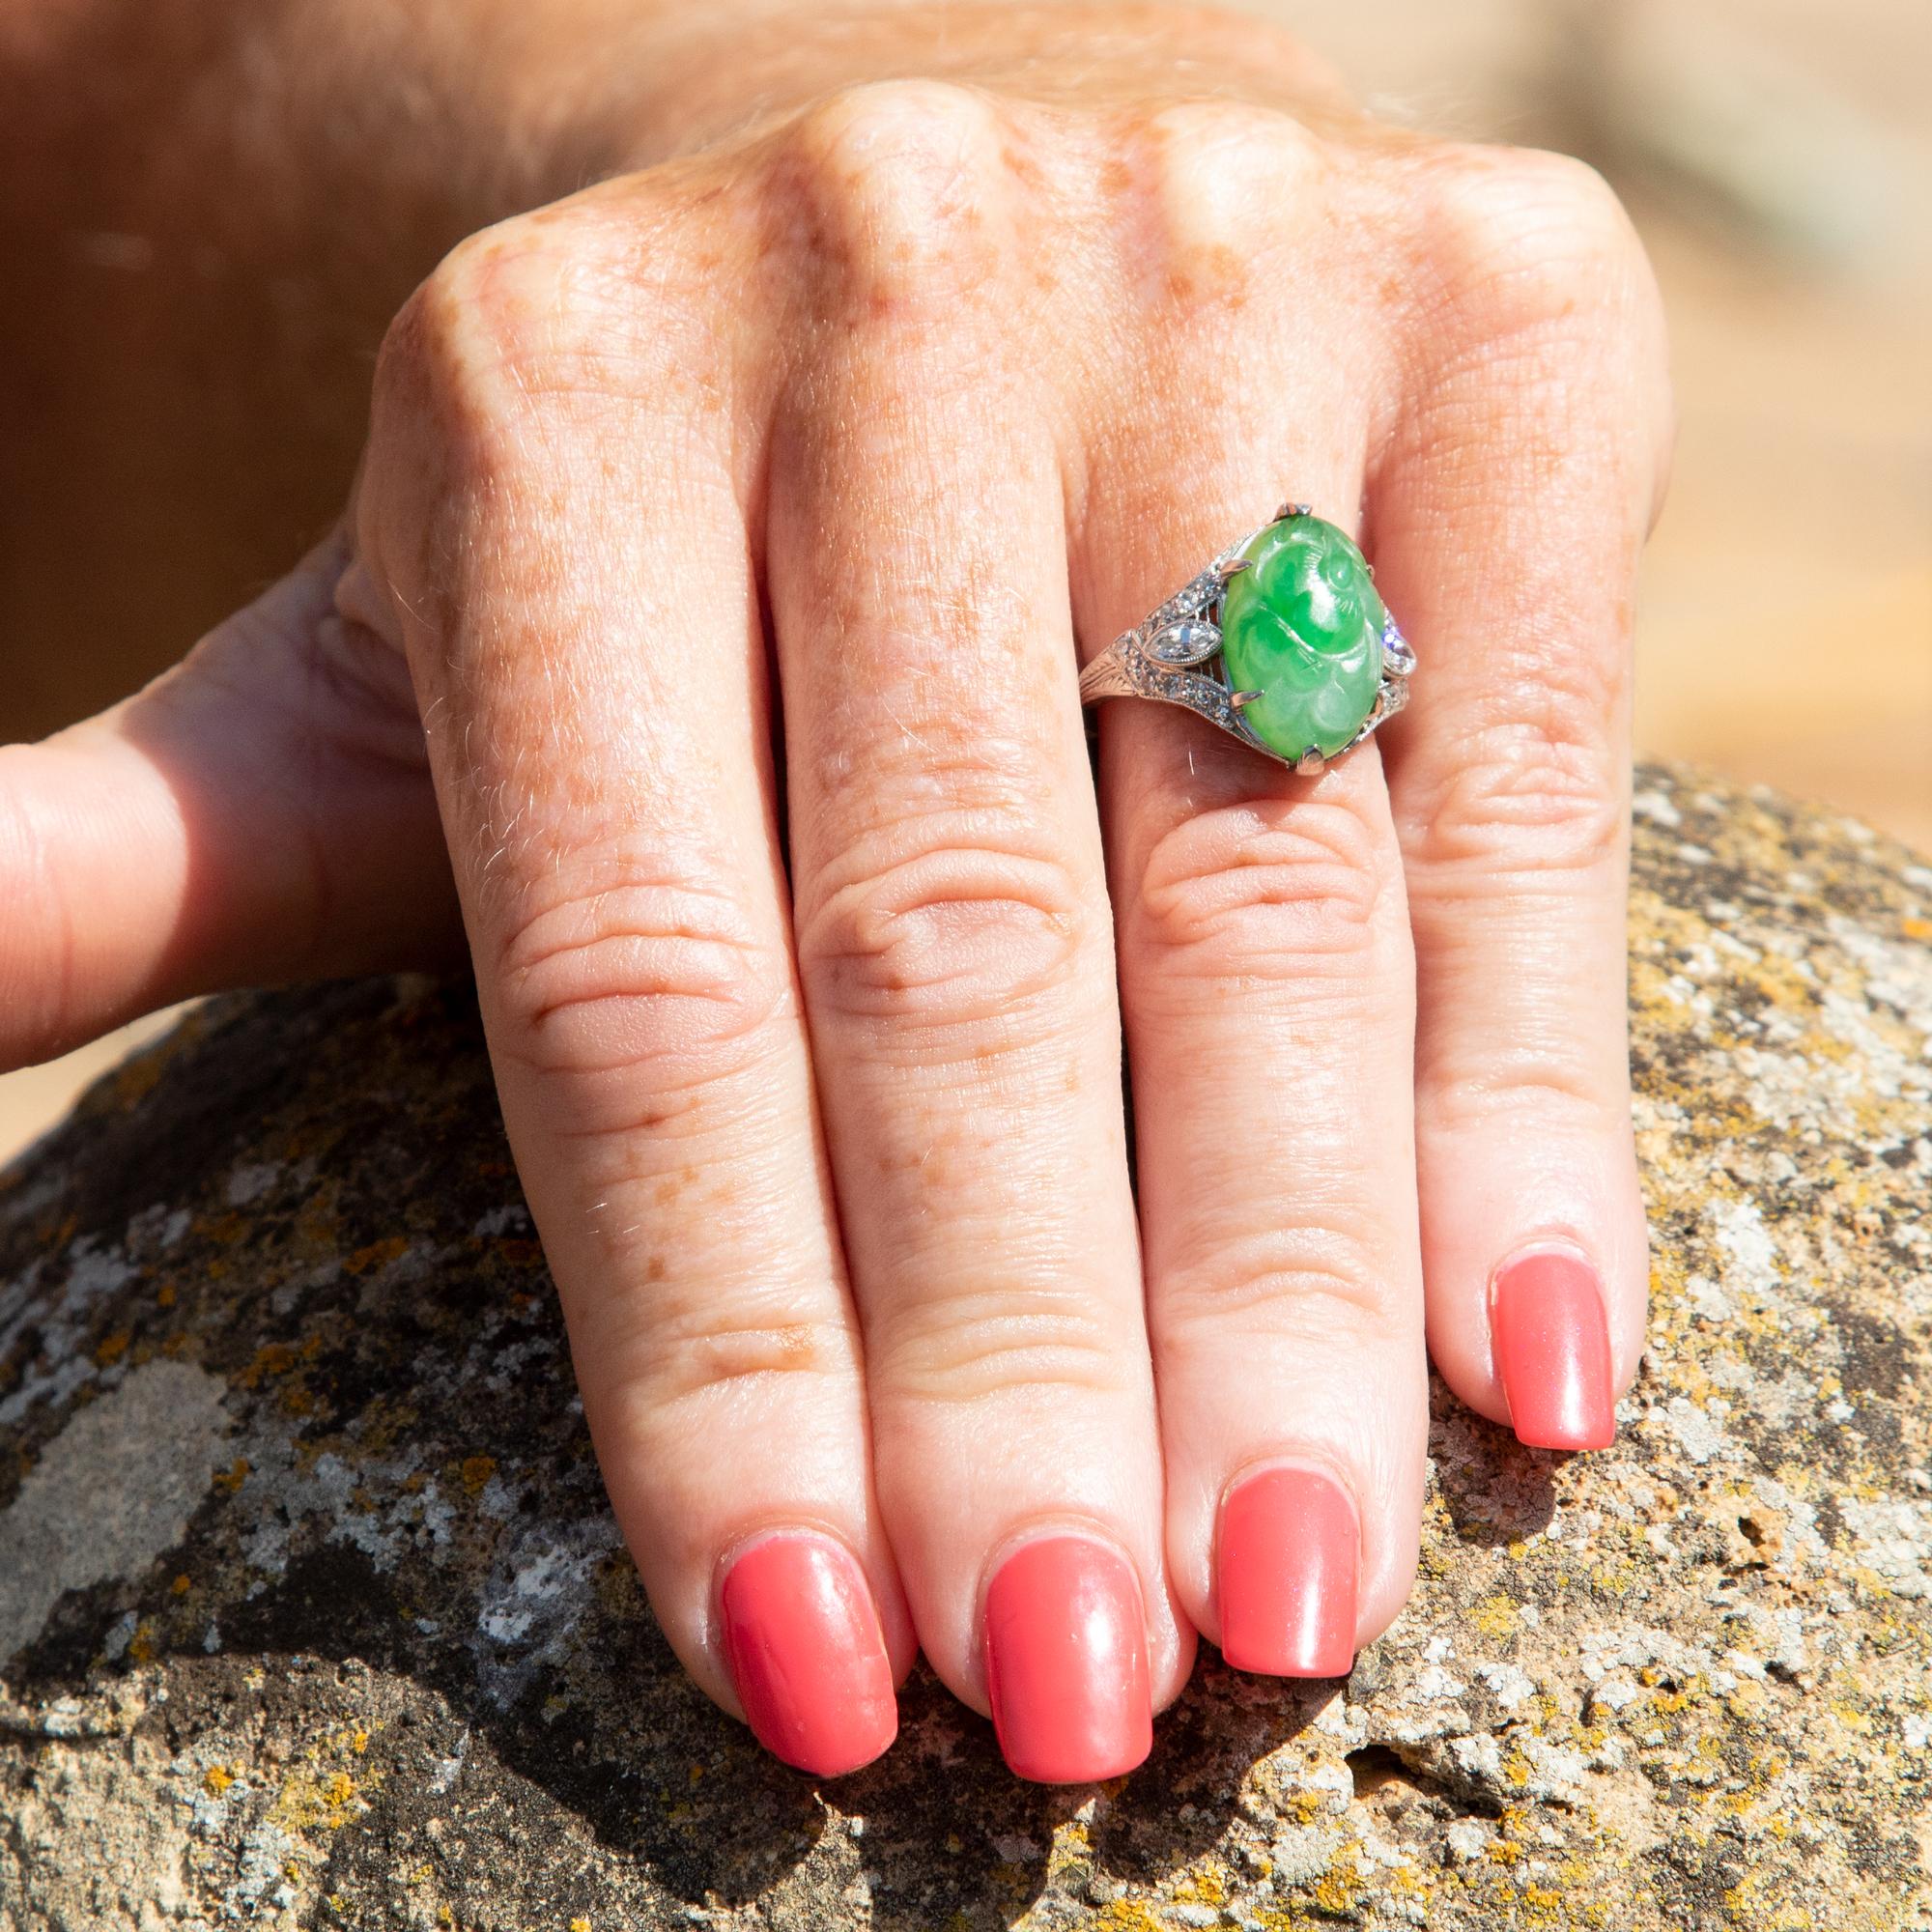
[[1302, 626]]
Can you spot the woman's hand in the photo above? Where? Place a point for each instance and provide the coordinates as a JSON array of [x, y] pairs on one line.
[[731, 535]]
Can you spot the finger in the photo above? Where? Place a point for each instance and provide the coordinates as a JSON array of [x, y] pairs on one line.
[[554, 513], [1266, 972], [954, 949], [1507, 521], [262, 813], [1269, 984]]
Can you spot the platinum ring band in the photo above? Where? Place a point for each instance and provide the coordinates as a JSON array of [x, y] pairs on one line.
[[1178, 654]]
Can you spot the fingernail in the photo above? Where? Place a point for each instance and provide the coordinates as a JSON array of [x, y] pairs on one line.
[[1552, 1349], [803, 1642], [1285, 1563], [1067, 1662]]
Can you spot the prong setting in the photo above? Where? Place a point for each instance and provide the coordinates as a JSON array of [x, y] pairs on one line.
[[1174, 656]]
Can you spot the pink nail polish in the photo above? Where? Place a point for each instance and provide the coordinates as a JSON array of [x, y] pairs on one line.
[[803, 1642], [1553, 1350], [1287, 1558], [1067, 1662]]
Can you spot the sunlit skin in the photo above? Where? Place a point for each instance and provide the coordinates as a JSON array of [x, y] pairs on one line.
[[892, 363]]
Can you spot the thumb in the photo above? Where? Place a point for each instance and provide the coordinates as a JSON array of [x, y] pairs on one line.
[[261, 813]]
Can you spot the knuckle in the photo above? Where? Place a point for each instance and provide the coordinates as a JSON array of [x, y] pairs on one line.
[[625, 970], [495, 301], [699, 1354], [1227, 181], [955, 932], [1539, 795], [974, 1344], [1269, 890], [903, 183], [568, 303], [1567, 1080], [1524, 242], [1325, 1285]]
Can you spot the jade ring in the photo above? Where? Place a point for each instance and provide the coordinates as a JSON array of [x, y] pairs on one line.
[[1282, 642]]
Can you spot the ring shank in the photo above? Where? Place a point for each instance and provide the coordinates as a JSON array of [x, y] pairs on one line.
[[1108, 677]]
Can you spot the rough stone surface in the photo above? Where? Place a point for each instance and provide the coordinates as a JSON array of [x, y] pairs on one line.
[[345, 1638]]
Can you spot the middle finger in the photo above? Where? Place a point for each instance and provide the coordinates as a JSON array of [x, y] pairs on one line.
[[955, 942]]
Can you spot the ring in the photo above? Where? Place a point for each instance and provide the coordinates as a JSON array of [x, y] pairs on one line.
[[1283, 641]]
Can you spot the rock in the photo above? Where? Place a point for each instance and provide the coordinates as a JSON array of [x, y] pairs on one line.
[[312, 1613]]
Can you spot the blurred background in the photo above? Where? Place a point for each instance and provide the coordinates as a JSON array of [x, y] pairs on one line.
[[1777, 157]]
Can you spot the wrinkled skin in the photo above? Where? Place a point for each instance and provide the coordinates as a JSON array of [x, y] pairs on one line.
[[901, 368]]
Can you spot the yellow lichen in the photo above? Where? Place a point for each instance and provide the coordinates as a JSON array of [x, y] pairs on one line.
[[1338, 1892], [1495, 1617], [377, 1254], [1746, 1700], [311, 1801], [1206, 1885], [272, 1358], [1069, 1847]]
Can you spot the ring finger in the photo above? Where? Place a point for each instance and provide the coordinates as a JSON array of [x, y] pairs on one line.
[[1267, 984]]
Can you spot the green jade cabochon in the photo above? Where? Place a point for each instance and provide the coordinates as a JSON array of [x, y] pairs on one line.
[[1302, 625]]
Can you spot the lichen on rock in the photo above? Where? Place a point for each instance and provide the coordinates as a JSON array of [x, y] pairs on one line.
[[312, 1613]]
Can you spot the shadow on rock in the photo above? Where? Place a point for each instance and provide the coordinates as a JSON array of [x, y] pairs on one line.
[[1495, 1490]]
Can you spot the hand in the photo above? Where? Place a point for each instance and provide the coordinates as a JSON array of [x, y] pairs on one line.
[[804, 970]]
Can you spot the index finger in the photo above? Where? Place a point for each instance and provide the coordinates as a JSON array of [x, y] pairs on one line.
[[554, 509]]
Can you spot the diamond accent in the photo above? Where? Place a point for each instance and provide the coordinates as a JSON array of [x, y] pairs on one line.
[[1187, 640], [1202, 594], [1398, 655], [1137, 665]]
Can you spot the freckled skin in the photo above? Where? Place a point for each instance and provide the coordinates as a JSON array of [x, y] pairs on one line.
[[730, 532]]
